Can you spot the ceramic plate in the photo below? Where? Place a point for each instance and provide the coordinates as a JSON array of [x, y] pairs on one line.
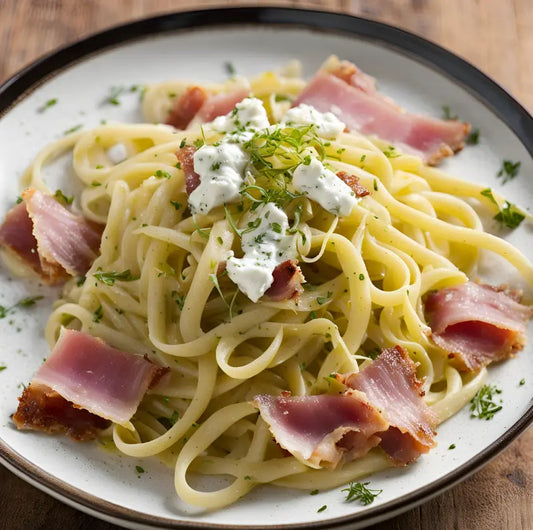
[[417, 74]]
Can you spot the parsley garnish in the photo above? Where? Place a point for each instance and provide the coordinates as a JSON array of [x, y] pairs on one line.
[[25, 302], [314, 492], [357, 491], [452, 446], [98, 314], [322, 508], [509, 170], [178, 298], [109, 278], [73, 129], [169, 422], [391, 152], [482, 405], [19, 200], [162, 174], [139, 469], [487, 192], [176, 204], [447, 113], [473, 137], [230, 68], [3, 367], [61, 197], [510, 216], [114, 93], [183, 143], [47, 105], [522, 382], [323, 299]]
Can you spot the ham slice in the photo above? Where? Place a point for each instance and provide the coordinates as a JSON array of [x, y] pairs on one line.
[[42, 409], [321, 431], [287, 283], [353, 98], [186, 107], [48, 238], [477, 324], [390, 384], [186, 159], [93, 376], [195, 106]]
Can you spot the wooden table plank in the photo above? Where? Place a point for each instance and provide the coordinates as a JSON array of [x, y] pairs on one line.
[[495, 35]]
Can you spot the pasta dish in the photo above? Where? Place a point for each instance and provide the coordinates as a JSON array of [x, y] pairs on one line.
[[276, 286]]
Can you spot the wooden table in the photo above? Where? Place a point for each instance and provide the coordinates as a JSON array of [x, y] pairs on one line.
[[495, 35]]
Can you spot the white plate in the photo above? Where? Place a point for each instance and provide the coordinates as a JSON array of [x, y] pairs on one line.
[[418, 75]]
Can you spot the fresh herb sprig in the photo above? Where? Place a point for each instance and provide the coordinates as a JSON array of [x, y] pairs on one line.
[[483, 405], [509, 170], [510, 215], [25, 302], [357, 491], [109, 278]]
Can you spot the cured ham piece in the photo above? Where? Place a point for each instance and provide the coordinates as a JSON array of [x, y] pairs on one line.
[[390, 384], [287, 284], [195, 106], [353, 182], [186, 107], [353, 98], [477, 324], [42, 409], [322, 430], [93, 376], [186, 159], [48, 238]]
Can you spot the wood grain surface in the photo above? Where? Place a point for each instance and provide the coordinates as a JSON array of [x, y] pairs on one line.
[[494, 35]]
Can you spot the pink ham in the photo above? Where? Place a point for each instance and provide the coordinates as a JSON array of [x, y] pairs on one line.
[[186, 107], [219, 105], [322, 430], [48, 238], [185, 157], [390, 384], [287, 284], [354, 99], [96, 377], [477, 324]]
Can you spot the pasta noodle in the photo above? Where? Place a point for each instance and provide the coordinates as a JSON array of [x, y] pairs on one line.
[[366, 275]]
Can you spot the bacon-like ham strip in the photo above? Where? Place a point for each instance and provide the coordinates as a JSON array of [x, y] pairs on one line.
[[48, 238], [94, 376], [219, 105], [354, 100], [390, 384], [186, 159], [287, 284], [353, 182], [323, 430], [477, 324], [186, 107], [42, 409]]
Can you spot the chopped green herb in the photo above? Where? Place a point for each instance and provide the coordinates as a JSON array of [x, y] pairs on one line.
[[99, 166], [230, 68], [19, 200], [487, 192], [361, 276], [375, 185], [510, 216], [95, 183], [373, 354], [314, 492], [312, 315], [24, 302], [178, 298], [114, 93], [280, 97], [47, 105], [98, 314], [323, 299], [391, 152], [522, 382], [2, 367], [362, 159], [73, 129], [61, 197], [247, 477], [183, 143], [163, 174], [139, 469], [473, 137], [176, 204], [482, 405], [509, 170], [109, 278], [357, 491], [198, 143], [322, 508], [447, 113], [452, 446]]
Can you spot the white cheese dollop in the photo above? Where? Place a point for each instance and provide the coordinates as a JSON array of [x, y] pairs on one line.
[[323, 186], [327, 124], [117, 153], [221, 170], [248, 117], [264, 247]]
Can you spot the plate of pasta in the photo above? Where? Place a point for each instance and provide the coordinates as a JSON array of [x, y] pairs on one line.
[[240, 276]]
